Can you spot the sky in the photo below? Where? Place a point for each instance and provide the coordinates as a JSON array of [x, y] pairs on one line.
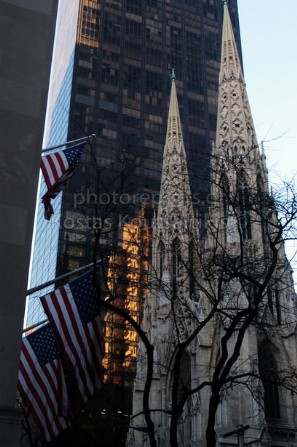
[[269, 43]]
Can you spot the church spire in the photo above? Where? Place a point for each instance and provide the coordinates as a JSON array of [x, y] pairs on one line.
[[175, 228], [238, 166], [175, 191], [230, 62], [174, 129], [235, 129]]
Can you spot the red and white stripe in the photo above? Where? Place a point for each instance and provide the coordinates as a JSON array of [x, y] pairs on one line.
[[81, 343], [54, 166], [42, 391]]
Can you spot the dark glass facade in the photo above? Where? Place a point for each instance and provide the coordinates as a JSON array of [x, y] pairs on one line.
[[46, 233], [120, 91], [120, 82]]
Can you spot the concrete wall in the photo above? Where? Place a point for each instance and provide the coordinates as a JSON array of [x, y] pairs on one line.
[[26, 43]]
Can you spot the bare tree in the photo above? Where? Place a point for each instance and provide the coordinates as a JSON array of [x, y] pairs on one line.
[[235, 271], [235, 281]]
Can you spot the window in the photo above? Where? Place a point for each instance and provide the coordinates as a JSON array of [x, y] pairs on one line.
[[268, 373], [153, 56], [261, 199], [244, 207], [225, 193], [194, 75], [133, 29], [134, 6], [196, 113], [112, 31], [278, 307], [161, 259], [176, 265], [153, 82], [212, 46]]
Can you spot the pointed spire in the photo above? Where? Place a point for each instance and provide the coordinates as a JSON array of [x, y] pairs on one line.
[[230, 62], [175, 217], [236, 147], [174, 129], [235, 129], [175, 191]]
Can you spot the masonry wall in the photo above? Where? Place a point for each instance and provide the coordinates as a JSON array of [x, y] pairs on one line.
[[26, 43]]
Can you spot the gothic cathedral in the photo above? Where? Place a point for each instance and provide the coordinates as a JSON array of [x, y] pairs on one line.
[[221, 309]]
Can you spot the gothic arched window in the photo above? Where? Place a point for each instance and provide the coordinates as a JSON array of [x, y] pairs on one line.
[[176, 264], [278, 306], [244, 207], [268, 373], [225, 195], [274, 303], [161, 259]]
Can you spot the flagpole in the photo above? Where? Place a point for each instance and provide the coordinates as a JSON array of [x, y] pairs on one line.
[[66, 275], [33, 326], [49, 283], [79, 140]]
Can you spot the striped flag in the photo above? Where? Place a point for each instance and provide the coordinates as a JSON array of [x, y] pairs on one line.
[[41, 383], [57, 169], [74, 313]]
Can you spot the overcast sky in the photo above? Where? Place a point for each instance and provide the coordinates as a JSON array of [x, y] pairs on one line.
[[269, 43]]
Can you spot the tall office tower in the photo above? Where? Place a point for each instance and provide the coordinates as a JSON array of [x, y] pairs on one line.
[[111, 77], [46, 234]]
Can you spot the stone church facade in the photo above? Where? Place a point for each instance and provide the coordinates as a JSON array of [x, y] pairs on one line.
[[221, 310]]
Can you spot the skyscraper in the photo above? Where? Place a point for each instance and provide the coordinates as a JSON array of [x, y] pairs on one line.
[[112, 79]]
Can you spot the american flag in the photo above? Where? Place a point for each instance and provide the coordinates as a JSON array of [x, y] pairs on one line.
[[57, 169], [74, 313], [41, 383]]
